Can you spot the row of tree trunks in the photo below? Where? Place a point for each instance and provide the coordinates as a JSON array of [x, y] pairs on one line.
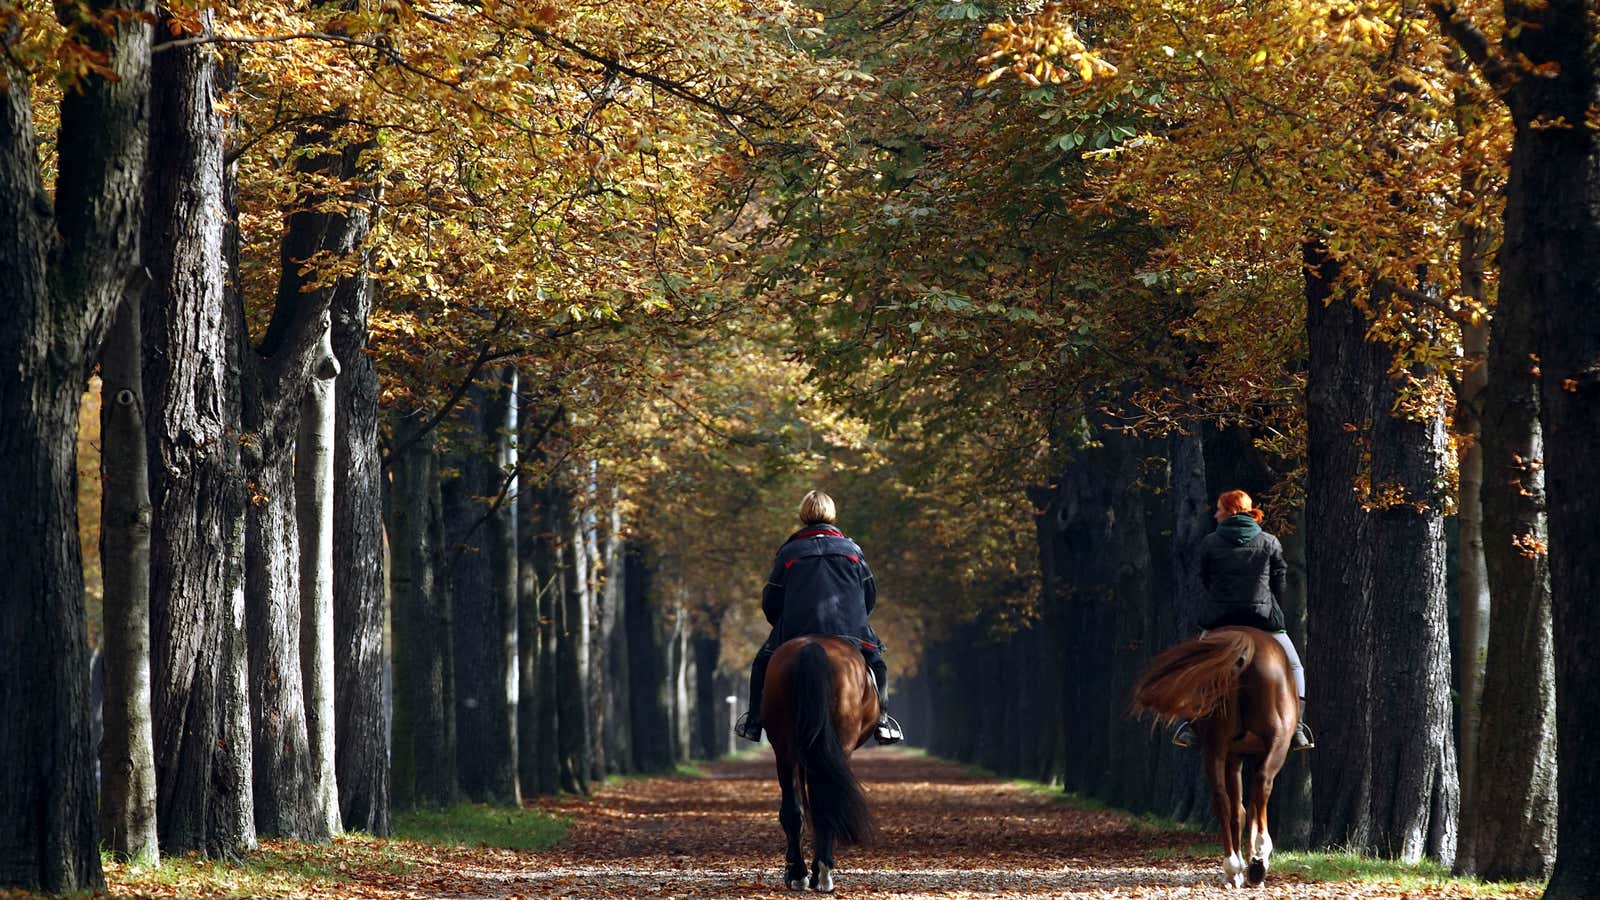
[[1119, 532]]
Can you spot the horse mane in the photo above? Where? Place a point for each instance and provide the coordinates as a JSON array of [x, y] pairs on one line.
[[1195, 678]]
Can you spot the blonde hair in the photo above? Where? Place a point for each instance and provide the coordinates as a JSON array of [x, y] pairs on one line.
[[1233, 503], [816, 508]]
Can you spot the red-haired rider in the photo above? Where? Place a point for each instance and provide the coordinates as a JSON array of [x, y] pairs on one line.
[[820, 584], [1243, 571]]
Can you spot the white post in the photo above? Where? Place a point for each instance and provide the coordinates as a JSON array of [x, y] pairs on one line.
[[733, 716]]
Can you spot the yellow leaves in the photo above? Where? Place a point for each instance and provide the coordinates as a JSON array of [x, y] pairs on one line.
[[1035, 48]]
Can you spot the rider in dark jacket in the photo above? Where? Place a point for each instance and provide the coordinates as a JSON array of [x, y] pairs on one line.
[[820, 584], [1243, 571]]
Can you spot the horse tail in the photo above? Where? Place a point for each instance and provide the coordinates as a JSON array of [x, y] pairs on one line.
[[833, 795], [1194, 679]]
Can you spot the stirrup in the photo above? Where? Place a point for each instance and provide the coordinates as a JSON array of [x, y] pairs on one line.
[[1184, 735], [1303, 738], [888, 731], [748, 728]]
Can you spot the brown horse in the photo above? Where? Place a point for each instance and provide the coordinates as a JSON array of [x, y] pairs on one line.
[[1234, 683], [821, 705]]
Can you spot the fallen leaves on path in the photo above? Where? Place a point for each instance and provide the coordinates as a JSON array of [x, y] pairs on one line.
[[942, 833]]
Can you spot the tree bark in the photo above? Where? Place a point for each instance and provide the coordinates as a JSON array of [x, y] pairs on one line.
[[552, 601], [1550, 261], [1472, 578], [127, 752], [192, 346], [573, 653], [619, 736], [484, 621], [1191, 512], [313, 495], [1415, 799], [1344, 369], [424, 741], [595, 637], [530, 584], [707, 650], [1509, 828], [361, 662], [286, 796], [65, 274], [647, 666]]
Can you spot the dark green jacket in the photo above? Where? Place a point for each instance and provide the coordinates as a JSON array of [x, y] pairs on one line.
[[1243, 571]]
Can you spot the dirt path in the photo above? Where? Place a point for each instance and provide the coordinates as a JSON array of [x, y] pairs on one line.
[[942, 833]]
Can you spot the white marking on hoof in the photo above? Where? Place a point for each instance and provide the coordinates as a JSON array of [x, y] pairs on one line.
[[824, 880], [797, 884], [1263, 847], [1233, 871]]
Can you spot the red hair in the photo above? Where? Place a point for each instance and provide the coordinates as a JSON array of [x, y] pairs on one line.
[[1235, 503]]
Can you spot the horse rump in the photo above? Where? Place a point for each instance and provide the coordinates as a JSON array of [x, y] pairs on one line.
[[1195, 678], [833, 795]]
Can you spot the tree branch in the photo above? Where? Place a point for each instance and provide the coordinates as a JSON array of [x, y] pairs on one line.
[[1458, 27]]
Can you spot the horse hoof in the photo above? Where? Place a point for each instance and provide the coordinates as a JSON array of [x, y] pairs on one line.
[[796, 884], [1257, 873], [822, 880]]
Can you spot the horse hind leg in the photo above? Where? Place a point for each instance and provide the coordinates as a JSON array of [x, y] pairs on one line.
[[1225, 806], [792, 816], [822, 859], [1260, 836]]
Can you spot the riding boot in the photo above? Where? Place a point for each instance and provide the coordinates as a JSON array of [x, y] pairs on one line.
[[1183, 735], [888, 731], [749, 724], [1303, 739]]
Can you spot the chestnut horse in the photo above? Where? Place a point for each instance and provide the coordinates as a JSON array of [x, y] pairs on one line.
[[1234, 683], [821, 705]]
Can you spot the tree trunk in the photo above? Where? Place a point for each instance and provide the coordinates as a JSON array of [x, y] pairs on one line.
[[595, 637], [619, 735], [1509, 828], [127, 753], [552, 601], [707, 650], [286, 797], [1386, 778], [530, 585], [1291, 812], [1191, 511], [680, 661], [477, 510], [1343, 371], [361, 663], [313, 494], [1415, 799], [1472, 578], [573, 653], [424, 741], [1550, 261], [503, 557], [192, 346], [647, 666], [64, 277]]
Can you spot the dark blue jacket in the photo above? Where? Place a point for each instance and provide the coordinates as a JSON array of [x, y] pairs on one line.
[[820, 584]]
